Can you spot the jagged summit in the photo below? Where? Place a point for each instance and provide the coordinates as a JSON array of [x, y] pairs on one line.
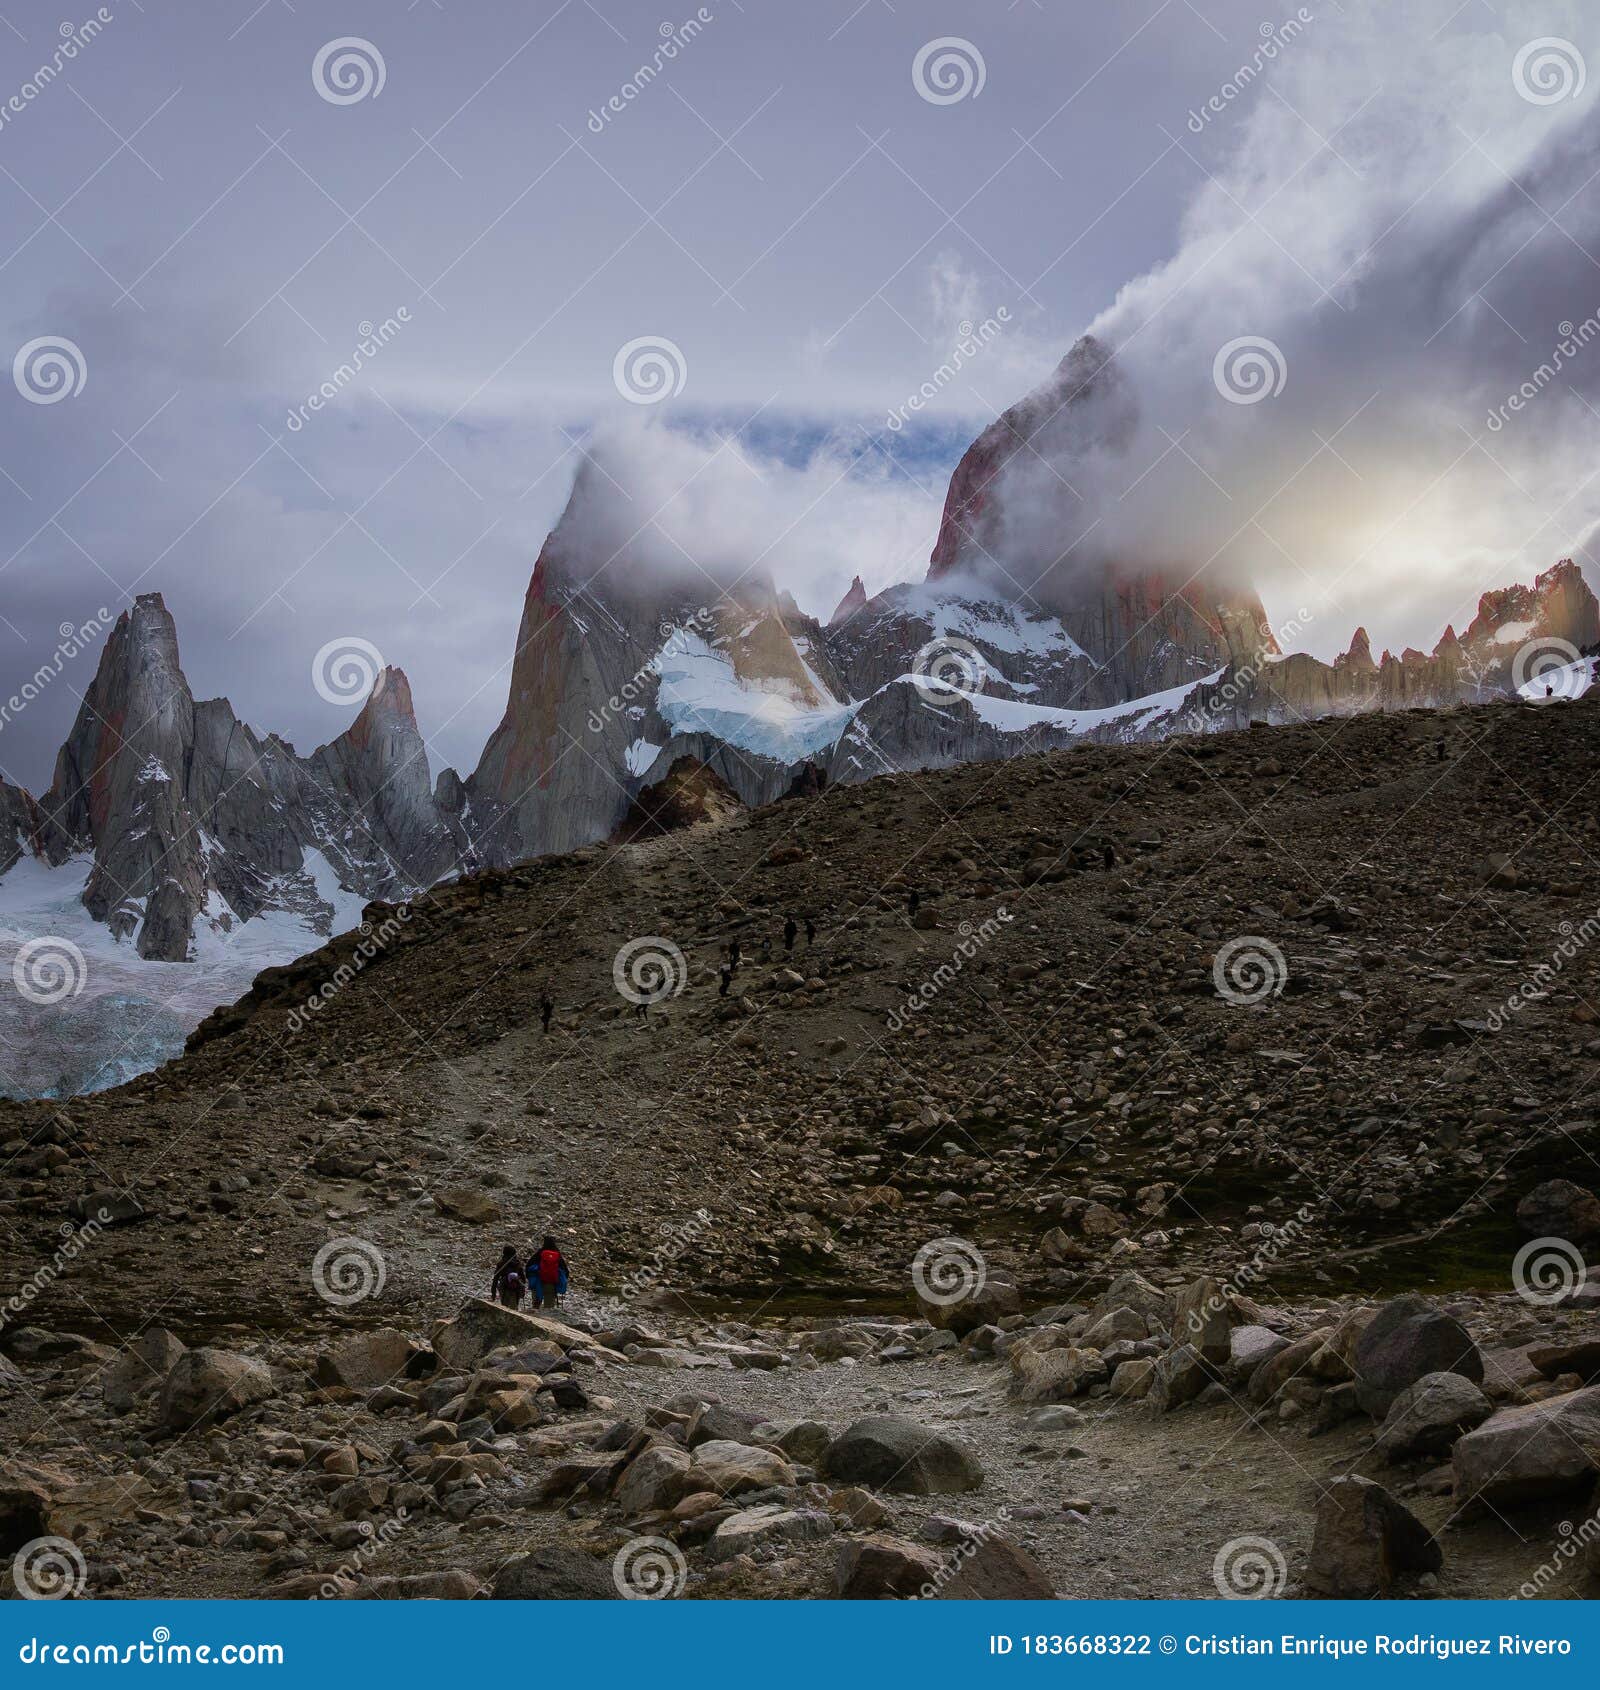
[[852, 601]]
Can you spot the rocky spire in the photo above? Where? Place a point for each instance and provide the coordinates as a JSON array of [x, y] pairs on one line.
[[852, 601]]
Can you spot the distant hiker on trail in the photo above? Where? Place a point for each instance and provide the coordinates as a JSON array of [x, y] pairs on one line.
[[726, 975], [790, 929], [811, 931], [506, 1286], [766, 950], [551, 1268], [1110, 857], [912, 900], [546, 1010], [733, 953]]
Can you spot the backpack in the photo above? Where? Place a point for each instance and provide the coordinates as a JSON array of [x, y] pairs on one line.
[[512, 1280], [549, 1266]]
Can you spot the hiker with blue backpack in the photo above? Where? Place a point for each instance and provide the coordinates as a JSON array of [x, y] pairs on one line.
[[509, 1280]]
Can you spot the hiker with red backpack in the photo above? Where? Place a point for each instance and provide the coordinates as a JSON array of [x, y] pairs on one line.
[[509, 1279], [548, 1271]]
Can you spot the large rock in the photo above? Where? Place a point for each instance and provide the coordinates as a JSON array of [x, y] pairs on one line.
[[1364, 1541], [987, 1306], [891, 1453], [555, 1574], [1431, 1414], [1203, 1315], [140, 1369], [482, 1326], [1250, 1347], [1560, 1209], [1053, 1375], [729, 1468], [206, 1385], [365, 1360], [881, 1567], [1535, 1450], [1289, 1363], [759, 1528], [1406, 1340], [992, 1569], [654, 1479], [453, 1584], [1181, 1374]]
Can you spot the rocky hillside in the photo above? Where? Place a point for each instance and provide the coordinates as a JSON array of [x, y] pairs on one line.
[[1045, 1219]]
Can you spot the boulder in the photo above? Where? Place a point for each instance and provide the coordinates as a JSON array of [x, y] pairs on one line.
[[757, 1528], [1534, 1450], [482, 1327], [1249, 1347], [1431, 1414], [105, 1208], [653, 1480], [1364, 1540], [1180, 1375], [1406, 1340], [889, 1452], [1133, 1379], [1580, 1355], [1560, 1209], [453, 1584], [1203, 1316], [988, 1305], [800, 1440], [1289, 1363], [206, 1385], [715, 1422], [991, 1569], [1116, 1326], [1053, 1375], [464, 1203], [555, 1574], [140, 1368], [365, 1360], [881, 1567], [729, 1468]]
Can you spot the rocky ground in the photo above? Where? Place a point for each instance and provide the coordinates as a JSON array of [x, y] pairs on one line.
[[1307, 1010]]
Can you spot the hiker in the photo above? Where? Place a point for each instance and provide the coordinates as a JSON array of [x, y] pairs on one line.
[[546, 1010], [509, 1278], [551, 1268], [811, 931], [912, 900], [1109, 856], [733, 954], [766, 950], [790, 929], [726, 975]]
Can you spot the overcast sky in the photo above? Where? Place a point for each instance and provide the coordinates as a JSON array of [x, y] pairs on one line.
[[211, 208]]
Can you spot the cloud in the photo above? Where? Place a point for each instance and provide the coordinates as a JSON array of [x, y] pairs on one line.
[[1390, 237]]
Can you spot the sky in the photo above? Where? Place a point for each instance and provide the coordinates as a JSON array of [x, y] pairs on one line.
[[738, 270]]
